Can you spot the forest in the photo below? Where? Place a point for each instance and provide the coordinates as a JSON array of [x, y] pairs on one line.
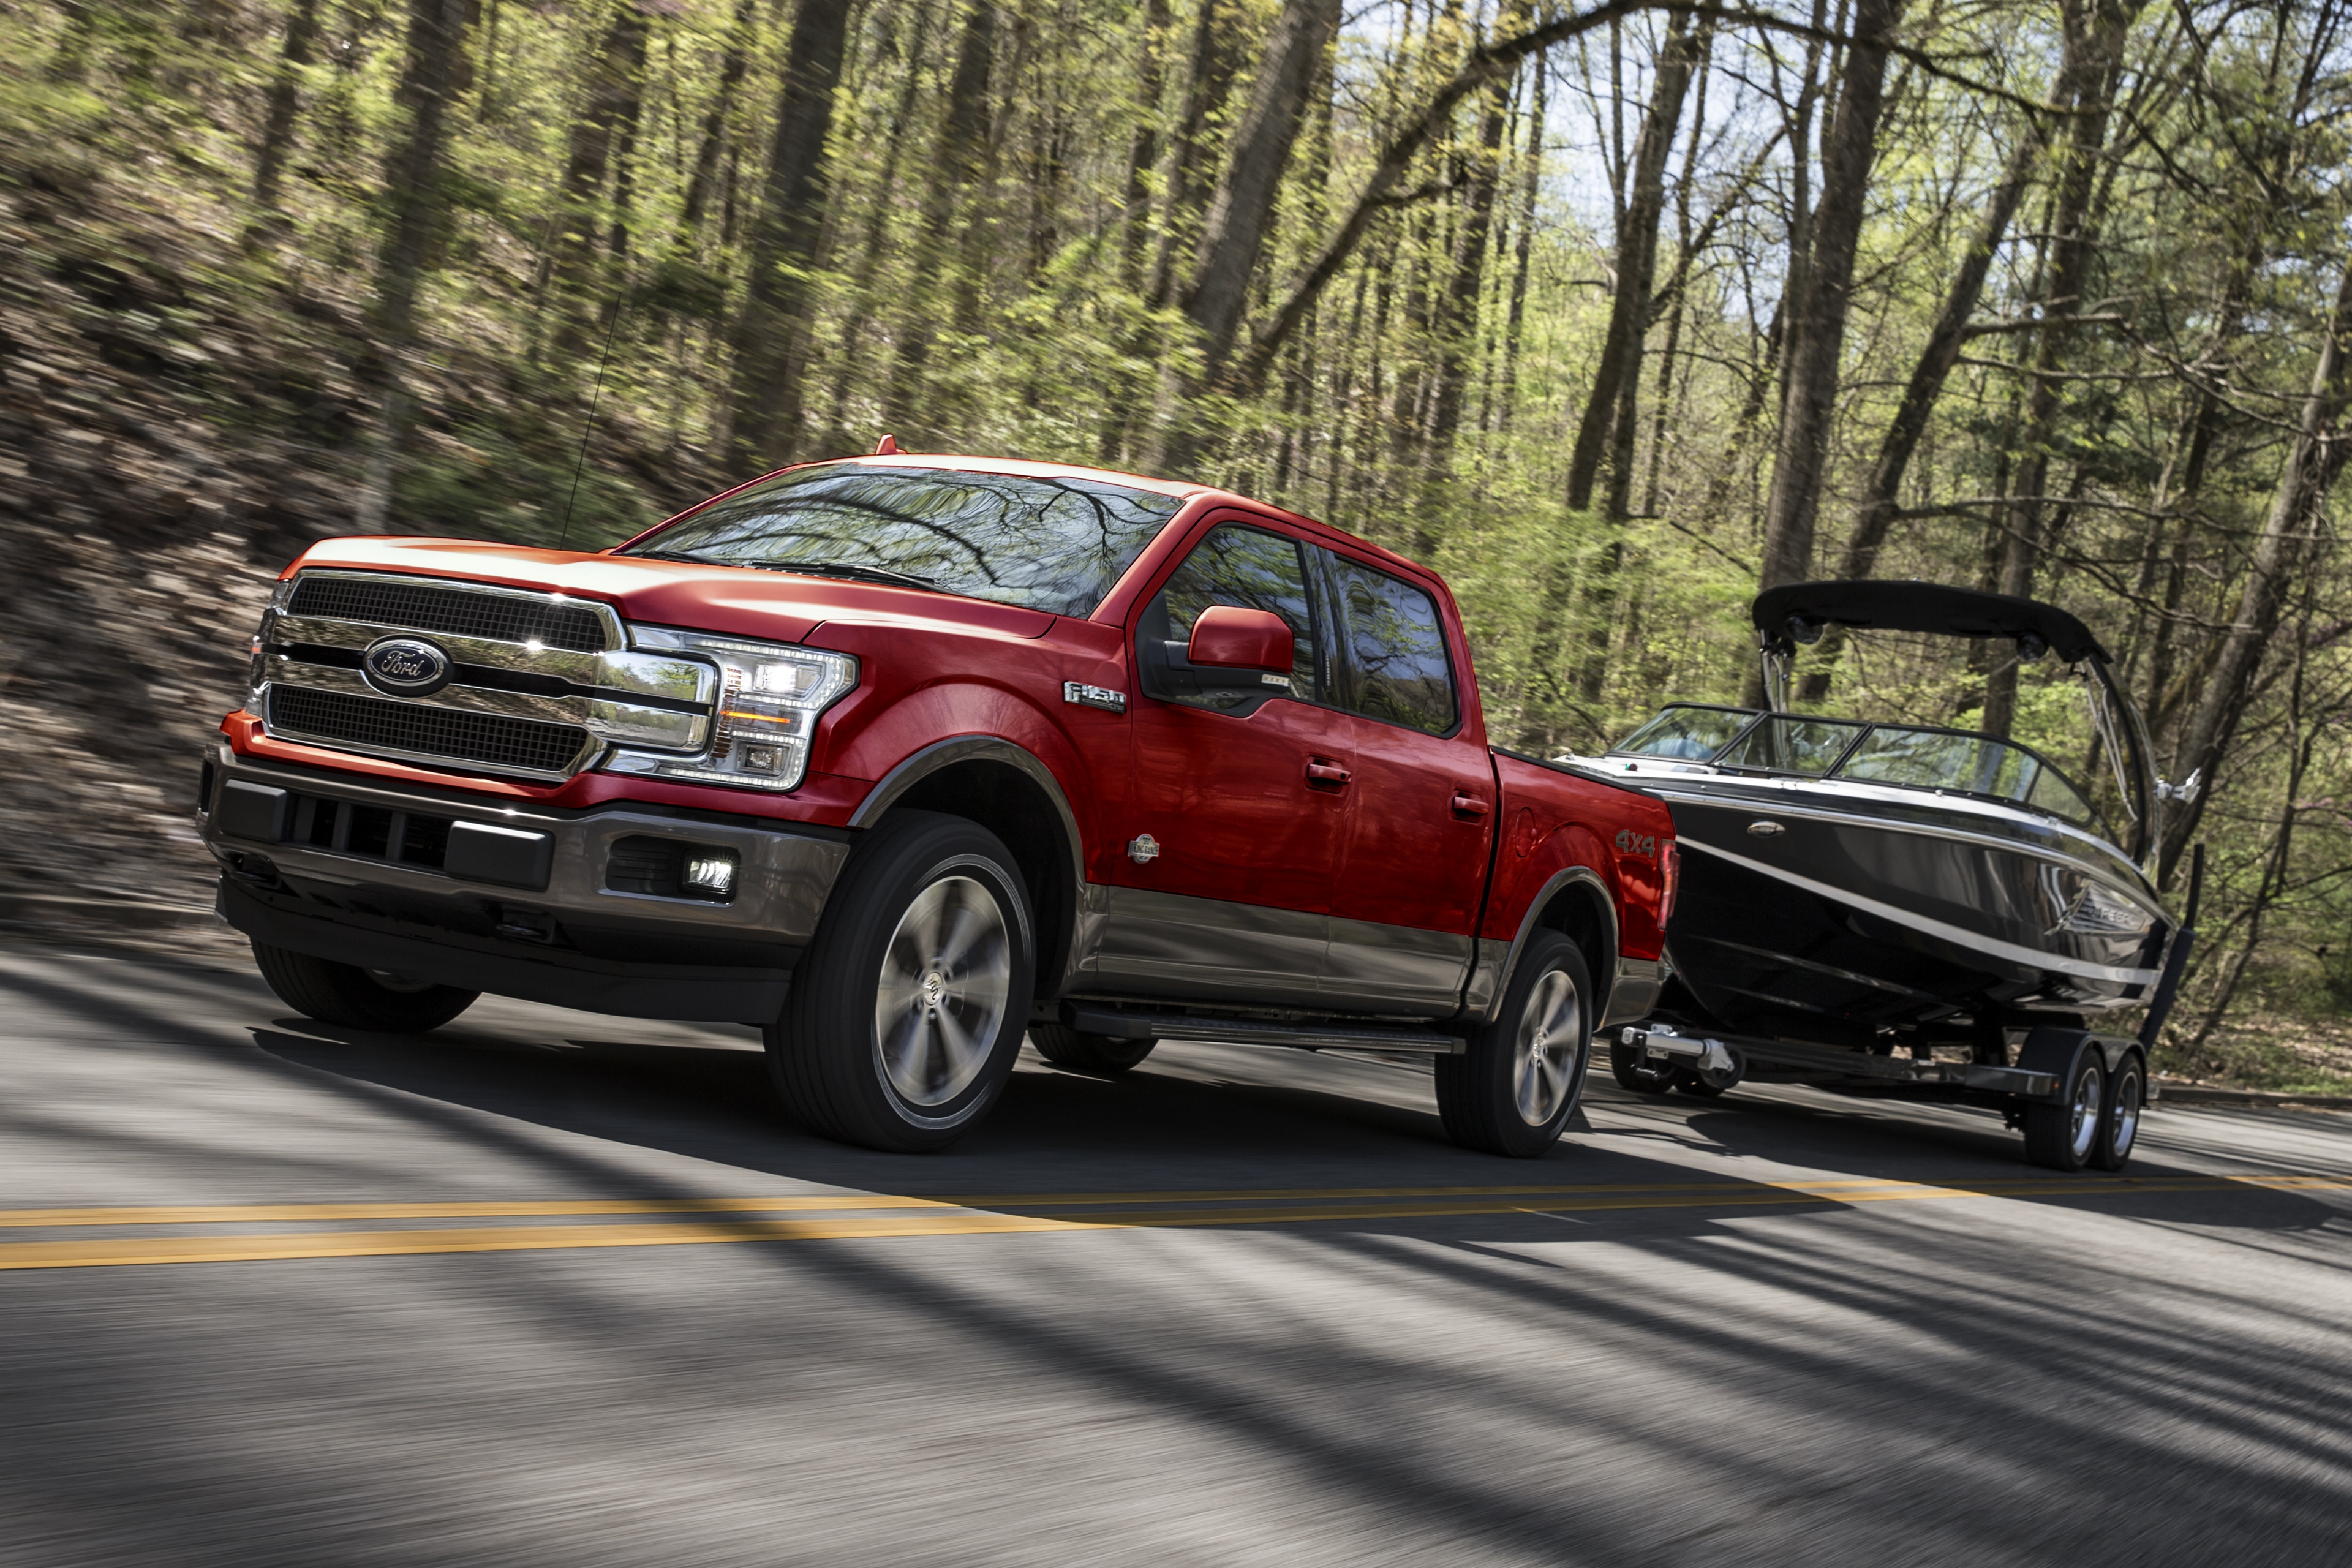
[[1614, 315]]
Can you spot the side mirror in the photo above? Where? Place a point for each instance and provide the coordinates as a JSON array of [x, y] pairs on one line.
[[1242, 640]]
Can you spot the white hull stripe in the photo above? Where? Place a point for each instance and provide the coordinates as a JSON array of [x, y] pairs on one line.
[[2031, 957]]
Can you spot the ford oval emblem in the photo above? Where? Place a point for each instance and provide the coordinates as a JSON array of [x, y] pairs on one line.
[[407, 667]]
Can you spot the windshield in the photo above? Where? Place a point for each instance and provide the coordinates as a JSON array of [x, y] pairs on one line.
[[1686, 731], [1052, 544], [1914, 756]]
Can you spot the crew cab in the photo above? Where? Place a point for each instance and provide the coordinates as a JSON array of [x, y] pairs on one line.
[[902, 757]]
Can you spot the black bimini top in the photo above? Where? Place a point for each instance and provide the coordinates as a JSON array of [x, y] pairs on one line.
[[1796, 612]]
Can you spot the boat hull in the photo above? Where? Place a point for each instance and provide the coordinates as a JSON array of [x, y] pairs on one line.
[[1806, 915]]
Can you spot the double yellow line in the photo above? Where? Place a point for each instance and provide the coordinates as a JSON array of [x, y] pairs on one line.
[[835, 1216]]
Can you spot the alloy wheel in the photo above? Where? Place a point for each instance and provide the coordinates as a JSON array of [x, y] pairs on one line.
[[940, 1003], [1549, 1048]]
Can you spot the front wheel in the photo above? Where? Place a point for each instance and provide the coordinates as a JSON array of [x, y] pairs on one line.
[[1515, 1087], [358, 998], [2062, 1136], [906, 1011]]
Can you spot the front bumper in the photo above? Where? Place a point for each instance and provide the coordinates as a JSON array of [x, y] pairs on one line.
[[515, 900]]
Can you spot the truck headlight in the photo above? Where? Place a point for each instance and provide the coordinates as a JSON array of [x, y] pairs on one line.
[[770, 697]]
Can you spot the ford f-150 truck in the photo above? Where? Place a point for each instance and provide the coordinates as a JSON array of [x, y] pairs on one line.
[[902, 757]]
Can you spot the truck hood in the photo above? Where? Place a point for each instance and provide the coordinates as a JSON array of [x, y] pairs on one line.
[[735, 601]]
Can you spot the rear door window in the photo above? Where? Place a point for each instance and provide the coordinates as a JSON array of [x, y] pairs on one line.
[[1395, 644]]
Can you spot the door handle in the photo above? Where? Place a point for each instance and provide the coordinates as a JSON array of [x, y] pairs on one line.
[[1468, 805], [1330, 775]]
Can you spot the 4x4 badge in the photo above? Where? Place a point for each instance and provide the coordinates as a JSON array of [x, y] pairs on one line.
[[1101, 697]]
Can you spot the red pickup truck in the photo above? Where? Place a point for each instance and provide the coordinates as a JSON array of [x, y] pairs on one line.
[[902, 757]]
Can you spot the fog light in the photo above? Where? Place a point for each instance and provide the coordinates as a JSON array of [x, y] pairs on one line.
[[710, 874]]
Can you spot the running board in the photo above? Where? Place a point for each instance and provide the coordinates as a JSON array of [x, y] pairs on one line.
[[1656, 1039], [1259, 1032]]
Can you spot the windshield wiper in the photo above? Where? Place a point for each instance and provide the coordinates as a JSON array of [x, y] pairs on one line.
[[675, 555], [844, 569]]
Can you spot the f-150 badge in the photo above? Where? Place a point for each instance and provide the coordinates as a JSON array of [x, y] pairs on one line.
[[1143, 848], [1101, 697]]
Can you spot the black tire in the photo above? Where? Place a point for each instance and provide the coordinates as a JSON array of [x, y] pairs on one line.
[[2119, 1114], [1689, 1083], [1514, 1089], [919, 880], [1637, 1074], [358, 998], [2063, 1137], [1107, 1056]]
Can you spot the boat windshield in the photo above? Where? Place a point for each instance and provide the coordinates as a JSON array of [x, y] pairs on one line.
[[1687, 731], [1914, 756]]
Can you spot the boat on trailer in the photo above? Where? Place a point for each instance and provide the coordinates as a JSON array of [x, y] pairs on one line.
[[1911, 910]]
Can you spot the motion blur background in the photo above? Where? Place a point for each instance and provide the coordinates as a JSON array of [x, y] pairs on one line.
[[1612, 315]]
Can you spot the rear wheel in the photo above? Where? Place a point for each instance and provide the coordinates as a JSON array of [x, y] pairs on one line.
[[2062, 1136], [906, 1011], [358, 998], [2119, 1116], [1515, 1087], [1107, 1055]]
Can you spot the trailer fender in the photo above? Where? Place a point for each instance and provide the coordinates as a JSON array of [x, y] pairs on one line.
[[2055, 1051]]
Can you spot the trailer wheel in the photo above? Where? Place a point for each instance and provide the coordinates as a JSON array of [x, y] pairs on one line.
[[2119, 1116], [906, 1013], [2062, 1136], [1519, 1083], [1637, 1074], [358, 998], [1106, 1054], [1690, 1082]]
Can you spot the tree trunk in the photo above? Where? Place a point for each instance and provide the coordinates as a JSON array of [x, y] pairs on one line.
[[1522, 248], [1457, 319], [1143, 149], [1874, 515], [960, 159], [2093, 67], [434, 71], [1817, 329], [1674, 291], [733, 65], [1216, 59], [2288, 530], [285, 99], [1234, 237], [767, 393], [613, 93], [1636, 265]]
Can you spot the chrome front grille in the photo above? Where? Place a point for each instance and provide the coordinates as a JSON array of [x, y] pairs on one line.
[[538, 684], [496, 615], [415, 730]]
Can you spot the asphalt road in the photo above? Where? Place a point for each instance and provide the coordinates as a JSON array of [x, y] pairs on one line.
[[549, 1288]]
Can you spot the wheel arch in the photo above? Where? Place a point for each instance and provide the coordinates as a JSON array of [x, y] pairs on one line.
[[1003, 787], [1576, 902]]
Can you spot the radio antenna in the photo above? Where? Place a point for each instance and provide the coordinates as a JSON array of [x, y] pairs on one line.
[[593, 398]]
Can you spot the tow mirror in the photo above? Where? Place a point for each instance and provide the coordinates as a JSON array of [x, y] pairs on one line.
[[1235, 639]]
